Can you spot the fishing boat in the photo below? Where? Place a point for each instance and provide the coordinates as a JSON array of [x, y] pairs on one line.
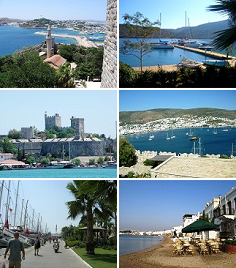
[[218, 63], [55, 165], [187, 63]]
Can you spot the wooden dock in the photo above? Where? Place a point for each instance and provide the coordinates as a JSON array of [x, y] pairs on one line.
[[206, 53]]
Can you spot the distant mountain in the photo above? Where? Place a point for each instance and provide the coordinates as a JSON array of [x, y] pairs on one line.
[[7, 20], [141, 117], [202, 31]]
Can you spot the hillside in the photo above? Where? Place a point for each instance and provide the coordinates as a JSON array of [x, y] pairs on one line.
[[155, 114], [202, 31]]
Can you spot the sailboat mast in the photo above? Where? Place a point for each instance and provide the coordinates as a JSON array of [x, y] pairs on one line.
[[17, 193], [8, 200], [1, 195]]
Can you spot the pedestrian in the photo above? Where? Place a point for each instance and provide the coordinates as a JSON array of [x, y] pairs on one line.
[[36, 246], [15, 246]]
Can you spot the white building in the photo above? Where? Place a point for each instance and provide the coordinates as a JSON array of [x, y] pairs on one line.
[[5, 156]]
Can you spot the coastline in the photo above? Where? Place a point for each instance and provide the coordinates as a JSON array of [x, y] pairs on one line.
[[161, 256], [167, 68]]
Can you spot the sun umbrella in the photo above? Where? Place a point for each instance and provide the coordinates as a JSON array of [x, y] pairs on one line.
[[199, 226]]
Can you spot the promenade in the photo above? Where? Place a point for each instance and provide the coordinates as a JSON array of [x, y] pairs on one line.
[[81, 41], [47, 258]]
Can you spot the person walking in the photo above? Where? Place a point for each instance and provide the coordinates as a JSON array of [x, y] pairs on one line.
[[36, 246], [15, 246]]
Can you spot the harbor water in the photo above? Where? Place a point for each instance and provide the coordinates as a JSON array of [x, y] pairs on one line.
[[110, 172], [163, 56], [220, 143], [15, 38], [134, 243]]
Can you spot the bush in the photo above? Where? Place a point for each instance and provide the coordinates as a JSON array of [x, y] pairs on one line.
[[127, 75], [230, 242], [127, 153], [75, 243], [151, 163]]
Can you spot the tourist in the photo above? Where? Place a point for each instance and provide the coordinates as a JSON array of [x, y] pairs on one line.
[[15, 246], [36, 246]]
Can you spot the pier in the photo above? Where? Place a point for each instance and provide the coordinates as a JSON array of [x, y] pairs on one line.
[[81, 41], [212, 54]]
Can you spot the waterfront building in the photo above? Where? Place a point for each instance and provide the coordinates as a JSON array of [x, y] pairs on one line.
[[190, 218], [5, 156], [51, 121], [224, 213], [27, 132]]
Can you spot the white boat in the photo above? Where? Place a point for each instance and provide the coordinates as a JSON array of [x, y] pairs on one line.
[[55, 165], [189, 63], [161, 45], [167, 137], [205, 47], [191, 43], [218, 63], [215, 131], [173, 136]]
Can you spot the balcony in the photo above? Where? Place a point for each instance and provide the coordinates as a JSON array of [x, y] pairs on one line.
[[220, 212]]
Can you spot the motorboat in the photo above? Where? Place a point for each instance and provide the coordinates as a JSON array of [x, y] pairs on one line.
[[161, 45], [187, 63], [193, 138]]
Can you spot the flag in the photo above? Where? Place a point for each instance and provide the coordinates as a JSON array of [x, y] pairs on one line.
[[10, 209], [7, 224], [27, 231], [40, 233]]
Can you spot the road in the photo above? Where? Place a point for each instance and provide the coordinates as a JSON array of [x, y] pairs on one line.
[[47, 258]]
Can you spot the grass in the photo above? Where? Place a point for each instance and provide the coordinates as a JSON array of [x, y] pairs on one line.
[[103, 258]]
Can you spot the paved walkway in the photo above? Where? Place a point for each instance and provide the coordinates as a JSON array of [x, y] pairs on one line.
[[47, 258]]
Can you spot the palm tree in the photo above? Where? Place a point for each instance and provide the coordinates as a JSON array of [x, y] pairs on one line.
[[225, 38], [65, 76]]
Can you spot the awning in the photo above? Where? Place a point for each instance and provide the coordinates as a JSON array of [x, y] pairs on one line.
[[227, 217], [161, 158], [199, 226]]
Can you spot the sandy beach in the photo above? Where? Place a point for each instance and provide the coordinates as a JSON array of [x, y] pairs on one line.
[[161, 256], [167, 68]]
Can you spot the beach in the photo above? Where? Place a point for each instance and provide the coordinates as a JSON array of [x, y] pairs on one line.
[[161, 256]]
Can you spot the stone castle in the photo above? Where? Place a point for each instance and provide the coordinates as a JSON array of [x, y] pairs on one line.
[[73, 147]]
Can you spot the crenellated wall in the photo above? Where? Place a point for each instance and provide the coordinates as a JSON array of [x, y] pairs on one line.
[[109, 73]]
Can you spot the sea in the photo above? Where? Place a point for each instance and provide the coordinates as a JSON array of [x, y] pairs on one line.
[[14, 38], [110, 172], [134, 243], [220, 143], [164, 56]]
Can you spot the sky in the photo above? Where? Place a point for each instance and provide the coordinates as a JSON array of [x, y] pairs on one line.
[[25, 108], [172, 11], [139, 100], [46, 197], [54, 10], [160, 205]]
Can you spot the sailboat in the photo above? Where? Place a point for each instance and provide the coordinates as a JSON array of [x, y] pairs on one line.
[[215, 131], [161, 44], [167, 137], [172, 136]]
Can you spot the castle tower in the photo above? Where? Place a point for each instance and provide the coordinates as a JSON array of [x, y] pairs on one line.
[[49, 41], [78, 125], [51, 121]]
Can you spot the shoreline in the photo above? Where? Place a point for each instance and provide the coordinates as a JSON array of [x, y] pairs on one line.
[[161, 256]]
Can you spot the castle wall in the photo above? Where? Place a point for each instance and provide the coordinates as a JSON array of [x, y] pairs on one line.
[[77, 148], [109, 73]]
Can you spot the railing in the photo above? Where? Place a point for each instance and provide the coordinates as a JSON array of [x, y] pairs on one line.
[[226, 211]]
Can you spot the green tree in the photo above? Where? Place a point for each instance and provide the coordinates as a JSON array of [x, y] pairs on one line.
[[14, 134], [29, 71], [76, 161], [100, 160], [225, 38], [127, 155], [6, 146], [65, 76], [140, 28], [30, 160], [91, 161], [127, 75], [44, 161]]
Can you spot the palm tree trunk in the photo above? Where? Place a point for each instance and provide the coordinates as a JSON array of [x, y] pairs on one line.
[[90, 245]]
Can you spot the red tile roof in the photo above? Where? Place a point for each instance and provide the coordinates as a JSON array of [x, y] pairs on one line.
[[55, 61]]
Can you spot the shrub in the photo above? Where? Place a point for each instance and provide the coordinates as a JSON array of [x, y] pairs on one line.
[[127, 75]]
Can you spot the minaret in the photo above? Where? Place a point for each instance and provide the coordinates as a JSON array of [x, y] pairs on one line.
[[49, 41]]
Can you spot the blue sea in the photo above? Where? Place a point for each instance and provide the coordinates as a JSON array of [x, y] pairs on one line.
[[13, 38], [221, 143], [61, 173], [133, 243], [163, 56]]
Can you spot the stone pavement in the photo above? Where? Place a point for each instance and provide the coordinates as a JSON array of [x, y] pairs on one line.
[[47, 258]]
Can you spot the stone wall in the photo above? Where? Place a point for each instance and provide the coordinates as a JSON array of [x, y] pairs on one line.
[[109, 73], [76, 148]]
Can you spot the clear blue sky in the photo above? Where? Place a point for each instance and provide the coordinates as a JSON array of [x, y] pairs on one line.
[[25, 108], [172, 11], [134, 100], [46, 197], [54, 10], [160, 205]]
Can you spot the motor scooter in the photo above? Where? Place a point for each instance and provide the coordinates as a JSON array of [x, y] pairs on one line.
[[56, 246]]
